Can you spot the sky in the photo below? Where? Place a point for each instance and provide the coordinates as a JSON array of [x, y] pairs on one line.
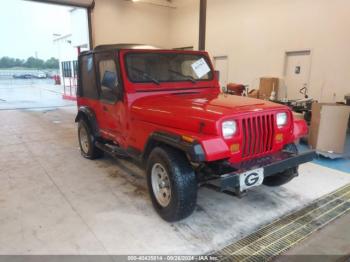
[[27, 28]]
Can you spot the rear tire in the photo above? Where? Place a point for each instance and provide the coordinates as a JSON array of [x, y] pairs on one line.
[[87, 142], [172, 184], [285, 177]]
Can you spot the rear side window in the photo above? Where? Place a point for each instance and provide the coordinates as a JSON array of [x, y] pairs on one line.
[[88, 79]]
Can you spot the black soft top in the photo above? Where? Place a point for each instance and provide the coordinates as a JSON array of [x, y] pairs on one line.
[[117, 47]]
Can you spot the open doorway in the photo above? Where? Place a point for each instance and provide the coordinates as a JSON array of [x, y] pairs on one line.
[[297, 73], [38, 58], [221, 66]]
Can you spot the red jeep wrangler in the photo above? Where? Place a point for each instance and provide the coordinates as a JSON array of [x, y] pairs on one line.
[[164, 108]]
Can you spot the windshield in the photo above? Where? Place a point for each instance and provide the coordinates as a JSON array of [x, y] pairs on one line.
[[167, 67]]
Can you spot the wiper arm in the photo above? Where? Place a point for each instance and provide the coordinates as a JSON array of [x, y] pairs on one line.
[[186, 77], [145, 75]]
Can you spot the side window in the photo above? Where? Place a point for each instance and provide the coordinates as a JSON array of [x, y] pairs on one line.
[[75, 68], [108, 79], [66, 68], [88, 79]]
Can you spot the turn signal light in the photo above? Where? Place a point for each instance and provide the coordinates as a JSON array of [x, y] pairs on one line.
[[188, 139], [235, 148], [279, 138]]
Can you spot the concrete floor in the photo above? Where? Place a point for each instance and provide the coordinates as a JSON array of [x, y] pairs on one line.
[[52, 201]]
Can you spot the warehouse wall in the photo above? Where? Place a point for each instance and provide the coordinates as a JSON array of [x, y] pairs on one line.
[[160, 26], [120, 21], [256, 34], [184, 24]]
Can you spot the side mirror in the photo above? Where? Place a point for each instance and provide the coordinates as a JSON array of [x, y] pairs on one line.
[[110, 80]]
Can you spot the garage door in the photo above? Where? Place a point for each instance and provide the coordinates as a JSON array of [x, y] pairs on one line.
[[80, 3]]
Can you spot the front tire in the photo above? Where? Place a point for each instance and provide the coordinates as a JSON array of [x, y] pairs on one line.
[[87, 142], [172, 184], [285, 177]]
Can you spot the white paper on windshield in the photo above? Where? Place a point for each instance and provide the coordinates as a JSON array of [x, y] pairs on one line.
[[200, 67]]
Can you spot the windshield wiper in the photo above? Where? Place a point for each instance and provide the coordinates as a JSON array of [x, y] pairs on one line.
[[145, 75], [186, 77]]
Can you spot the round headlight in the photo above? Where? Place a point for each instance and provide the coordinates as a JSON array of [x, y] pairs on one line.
[[229, 129], [281, 119]]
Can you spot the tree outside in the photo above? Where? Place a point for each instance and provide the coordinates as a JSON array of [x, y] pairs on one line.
[[31, 62]]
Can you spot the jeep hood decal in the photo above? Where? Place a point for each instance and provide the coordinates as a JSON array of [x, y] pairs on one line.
[[189, 111]]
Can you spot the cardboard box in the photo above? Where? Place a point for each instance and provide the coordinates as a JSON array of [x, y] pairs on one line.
[[267, 85], [254, 94], [329, 124]]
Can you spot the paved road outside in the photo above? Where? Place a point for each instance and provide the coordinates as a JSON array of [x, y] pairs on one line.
[[30, 93]]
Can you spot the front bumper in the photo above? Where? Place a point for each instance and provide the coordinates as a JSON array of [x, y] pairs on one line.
[[272, 165]]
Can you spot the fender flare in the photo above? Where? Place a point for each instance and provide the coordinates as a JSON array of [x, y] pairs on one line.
[[300, 128], [88, 115], [194, 151]]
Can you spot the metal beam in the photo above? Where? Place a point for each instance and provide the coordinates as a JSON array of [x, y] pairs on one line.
[[202, 24], [91, 41]]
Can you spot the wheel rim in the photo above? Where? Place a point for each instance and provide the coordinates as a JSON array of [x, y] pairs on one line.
[[84, 140], [161, 185]]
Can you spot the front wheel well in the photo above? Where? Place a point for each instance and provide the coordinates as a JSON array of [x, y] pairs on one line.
[[194, 151], [153, 143]]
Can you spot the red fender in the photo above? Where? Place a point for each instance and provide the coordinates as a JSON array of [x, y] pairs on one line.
[[300, 129]]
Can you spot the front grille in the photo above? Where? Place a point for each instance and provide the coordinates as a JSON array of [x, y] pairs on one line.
[[258, 135]]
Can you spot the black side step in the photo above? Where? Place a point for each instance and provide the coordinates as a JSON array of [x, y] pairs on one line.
[[113, 150]]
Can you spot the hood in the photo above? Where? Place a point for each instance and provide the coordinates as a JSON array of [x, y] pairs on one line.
[[196, 112]]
